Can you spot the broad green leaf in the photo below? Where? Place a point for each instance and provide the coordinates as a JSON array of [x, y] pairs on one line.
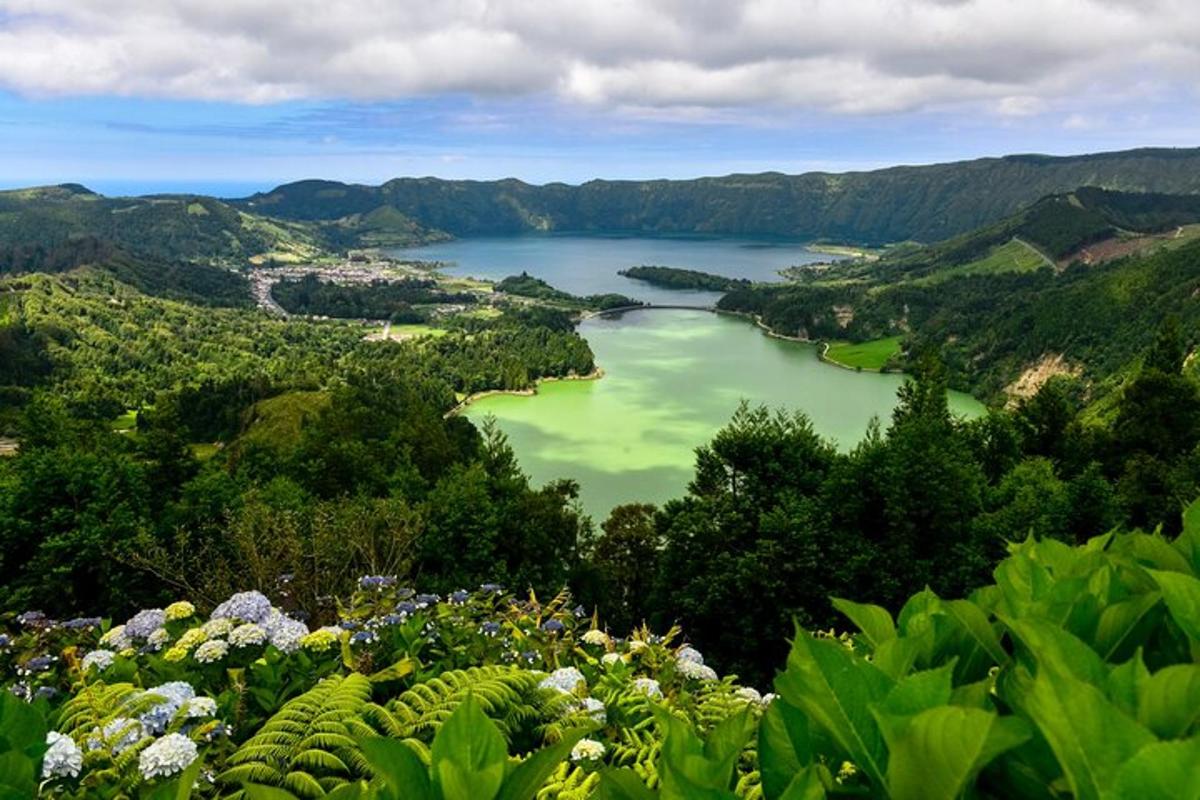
[[1154, 551], [1125, 683], [17, 779], [942, 750], [401, 669], [975, 623], [1160, 771], [399, 768], [1182, 596], [469, 755], [805, 786], [691, 768], [919, 691], [874, 622], [1051, 647], [1169, 701], [1120, 623], [1090, 737], [21, 724], [350, 791], [784, 747], [896, 657], [1188, 541], [836, 691], [622, 784], [529, 776], [181, 787]]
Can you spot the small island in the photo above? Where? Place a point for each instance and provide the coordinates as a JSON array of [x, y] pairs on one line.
[[676, 278]]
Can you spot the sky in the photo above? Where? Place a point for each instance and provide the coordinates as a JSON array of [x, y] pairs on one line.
[[230, 96]]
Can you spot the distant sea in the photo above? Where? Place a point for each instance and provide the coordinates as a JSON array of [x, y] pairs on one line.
[[129, 188]]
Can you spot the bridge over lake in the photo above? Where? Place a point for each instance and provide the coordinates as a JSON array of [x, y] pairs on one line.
[[609, 312]]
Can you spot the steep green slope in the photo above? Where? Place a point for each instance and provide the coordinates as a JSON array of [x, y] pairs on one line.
[[926, 203]]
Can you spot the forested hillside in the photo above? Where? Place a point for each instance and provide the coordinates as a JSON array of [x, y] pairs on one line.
[[182, 227], [926, 203], [995, 302]]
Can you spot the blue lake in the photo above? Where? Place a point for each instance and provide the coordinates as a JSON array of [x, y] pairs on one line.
[[588, 264]]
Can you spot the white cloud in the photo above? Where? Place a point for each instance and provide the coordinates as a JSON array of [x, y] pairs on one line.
[[1014, 57]]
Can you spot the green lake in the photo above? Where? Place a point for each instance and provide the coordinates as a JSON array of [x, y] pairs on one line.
[[672, 379]]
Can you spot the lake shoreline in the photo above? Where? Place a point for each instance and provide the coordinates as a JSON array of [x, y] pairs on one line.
[[595, 375]]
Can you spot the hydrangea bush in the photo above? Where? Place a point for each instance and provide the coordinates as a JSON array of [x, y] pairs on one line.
[[1076, 674], [133, 704]]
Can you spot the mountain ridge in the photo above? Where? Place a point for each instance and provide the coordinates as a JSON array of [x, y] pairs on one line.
[[923, 202]]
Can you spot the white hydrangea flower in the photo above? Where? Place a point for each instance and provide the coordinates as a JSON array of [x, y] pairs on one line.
[[596, 637], [648, 686], [594, 708], [565, 680], [248, 635], [587, 750], [115, 638], [211, 651], [636, 646], [158, 638], [64, 759], [689, 654], [768, 698], [690, 669], [100, 659], [216, 628], [199, 708], [168, 756], [608, 659], [749, 694]]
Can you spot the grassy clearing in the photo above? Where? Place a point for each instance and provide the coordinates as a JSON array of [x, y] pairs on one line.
[[1010, 257], [203, 451], [864, 355], [127, 421], [412, 331]]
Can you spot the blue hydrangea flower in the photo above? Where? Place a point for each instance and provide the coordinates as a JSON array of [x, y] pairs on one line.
[[4, 640], [244, 606], [82, 623], [285, 633], [170, 755], [31, 618], [552, 626], [36, 664], [490, 628], [529, 656], [648, 686], [491, 588], [406, 608], [459, 597], [63, 759], [362, 637], [377, 581], [426, 600], [119, 735], [45, 692], [174, 695], [145, 622]]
